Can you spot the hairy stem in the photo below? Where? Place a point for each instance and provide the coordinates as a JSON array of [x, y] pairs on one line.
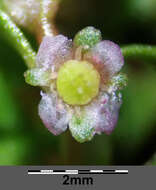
[[48, 11], [21, 44], [17, 39], [142, 52]]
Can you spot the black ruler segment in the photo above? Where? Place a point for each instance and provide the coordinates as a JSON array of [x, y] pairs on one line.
[[34, 171], [83, 171]]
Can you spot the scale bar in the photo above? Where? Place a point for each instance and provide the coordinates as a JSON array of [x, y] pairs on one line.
[[75, 172]]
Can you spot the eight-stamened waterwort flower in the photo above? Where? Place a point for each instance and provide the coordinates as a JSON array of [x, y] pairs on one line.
[[81, 83]]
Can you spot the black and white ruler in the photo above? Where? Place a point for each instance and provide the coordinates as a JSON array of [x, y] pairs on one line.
[[75, 172]]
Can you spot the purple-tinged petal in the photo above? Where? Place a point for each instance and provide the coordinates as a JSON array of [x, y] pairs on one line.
[[53, 51], [104, 112], [53, 113], [107, 57]]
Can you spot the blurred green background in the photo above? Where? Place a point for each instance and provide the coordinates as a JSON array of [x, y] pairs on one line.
[[23, 138]]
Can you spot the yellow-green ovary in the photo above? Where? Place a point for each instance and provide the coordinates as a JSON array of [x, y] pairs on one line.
[[78, 82]]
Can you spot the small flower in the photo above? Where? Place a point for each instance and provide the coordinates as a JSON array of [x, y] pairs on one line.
[[80, 82]]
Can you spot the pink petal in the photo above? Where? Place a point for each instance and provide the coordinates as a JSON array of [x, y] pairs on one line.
[[107, 56], [104, 112], [53, 113], [53, 51]]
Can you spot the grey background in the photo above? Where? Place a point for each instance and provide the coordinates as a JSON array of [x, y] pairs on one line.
[[139, 178]]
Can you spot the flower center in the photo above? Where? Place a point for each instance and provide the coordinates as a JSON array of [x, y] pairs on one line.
[[78, 82]]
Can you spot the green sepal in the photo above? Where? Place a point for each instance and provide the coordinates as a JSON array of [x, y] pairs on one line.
[[119, 81], [87, 38], [81, 128], [37, 77]]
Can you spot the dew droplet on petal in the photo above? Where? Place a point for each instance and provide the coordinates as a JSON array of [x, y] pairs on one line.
[[53, 51], [53, 113]]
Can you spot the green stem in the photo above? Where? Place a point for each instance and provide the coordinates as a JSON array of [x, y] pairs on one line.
[[47, 31], [17, 39], [143, 52], [48, 11]]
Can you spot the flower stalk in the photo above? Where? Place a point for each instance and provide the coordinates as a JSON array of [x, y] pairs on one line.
[[21, 44], [17, 39], [138, 51], [48, 11]]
